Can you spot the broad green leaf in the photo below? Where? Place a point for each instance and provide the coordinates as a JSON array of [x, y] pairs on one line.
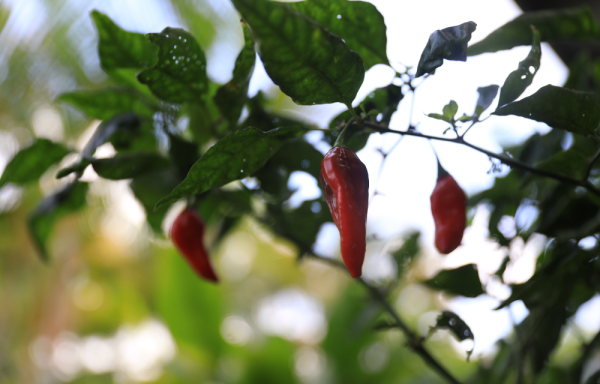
[[121, 49], [180, 73], [107, 103], [107, 129], [309, 63], [486, 96], [234, 157], [462, 281], [129, 165], [31, 162], [569, 163], [231, 97], [42, 219], [407, 252], [359, 23], [448, 112], [517, 81], [554, 25], [560, 108], [80, 166], [448, 43]]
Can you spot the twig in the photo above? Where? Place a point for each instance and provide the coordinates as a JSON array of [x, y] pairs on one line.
[[414, 341]]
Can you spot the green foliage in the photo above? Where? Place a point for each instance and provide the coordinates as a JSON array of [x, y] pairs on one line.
[[41, 221], [300, 55], [129, 165], [31, 162], [463, 281], [517, 81], [560, 108], [448, 43], [180, 73], [244, 152], [448, 112], [359, 23], [572, 23], [404, 255], [106, 103]]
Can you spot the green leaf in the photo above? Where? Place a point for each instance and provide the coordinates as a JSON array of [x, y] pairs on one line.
[[517, 81], [485, 99], [119, 48], [31, 162], [449, 43], [448, 112], [129, 165], [107, 103], [77, 167], [560, 108], [554, 25], [42, 219], [180, 73], [407, 252], [309, 64], [231, 97], [569, 163], [462, 281], [450, 320], [234, 157], [359, 23], [104, 132]]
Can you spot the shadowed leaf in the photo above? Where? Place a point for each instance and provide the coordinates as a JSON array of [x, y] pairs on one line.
[[462, 281], [485, 99]]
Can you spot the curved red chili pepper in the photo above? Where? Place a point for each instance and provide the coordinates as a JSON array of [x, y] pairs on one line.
[[346, 184], [187, 235], [448, 207]]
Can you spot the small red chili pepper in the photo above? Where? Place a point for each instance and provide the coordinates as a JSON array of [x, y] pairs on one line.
[[346, 184], [448, 207], [187, 235]]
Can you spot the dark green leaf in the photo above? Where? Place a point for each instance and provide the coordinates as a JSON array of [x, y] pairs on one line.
[[517, 81], [77, 167], [105, 104], [573, 23], [180, 73], [309, 64], [486, 96], [42, 219], [183, 153], [231, 97], [119, 48], [454, 323], [407, 252], [560, 108], [449, 43], [462, 281], [448, 112], [107, 129], [232, 158], [359, 23], [130, 165], [31, 162], [569, 163]]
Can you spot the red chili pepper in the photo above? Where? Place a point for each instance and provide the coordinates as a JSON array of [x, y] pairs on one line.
[[448, 207], [346, 183], [187, 235]]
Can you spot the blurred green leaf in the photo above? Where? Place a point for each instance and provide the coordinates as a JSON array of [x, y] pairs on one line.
[[180, 73], [448, 43], [231, 97], [448, 112], [232, 158], [593, 379], [104, 132], [271, 364], [485, 99], [456, 325], [183, 153], [517, 81], [560, 108], [129, 165], [463, 281], [569, 163], [407, 252], [309, 64], [359, 23], [31, 162], [41, 221], [107, 103], [122, 49], [80, 166], [556, 24]]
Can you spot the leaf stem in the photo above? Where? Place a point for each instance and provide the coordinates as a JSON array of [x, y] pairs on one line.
[[503, 159], [414, 342]]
